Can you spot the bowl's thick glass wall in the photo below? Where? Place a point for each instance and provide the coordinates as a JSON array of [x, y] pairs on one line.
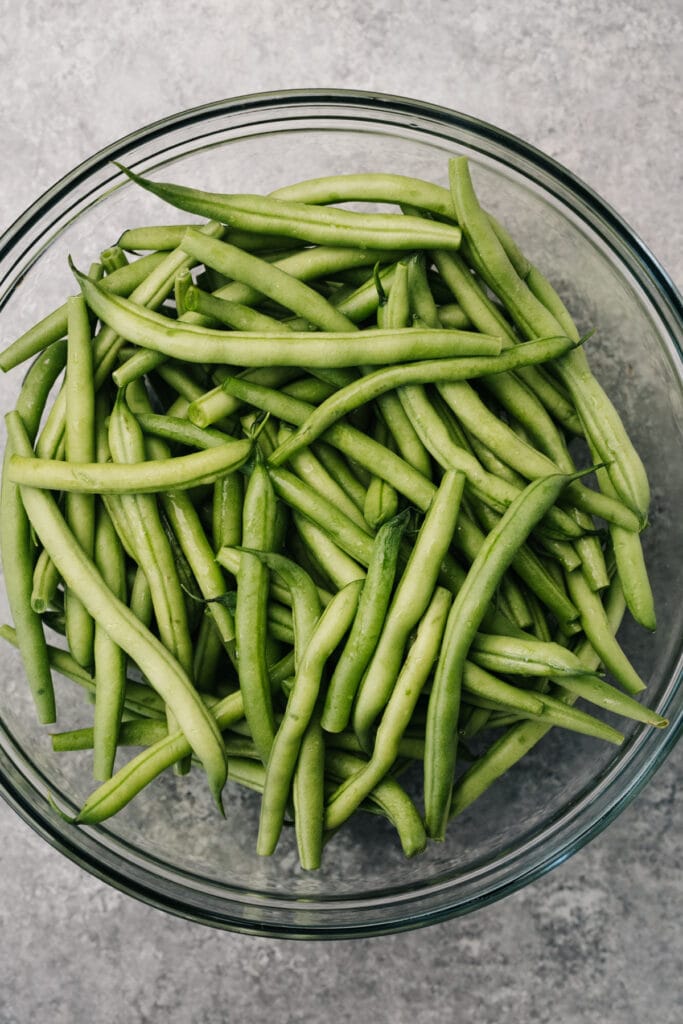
[[169, 847]]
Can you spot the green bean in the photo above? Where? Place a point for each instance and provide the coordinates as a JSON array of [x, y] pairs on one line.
[[595, 690], [180, 431], [207, 655], [523, 457], [113, 258], [109, 658], [311, 389], [529, 567], [452, 315], [631, 568], [464, 620], [140, 478], [379, 382], [329, 631], [410, 601], [309, 469], [351, 538], [226, 511], [232, 314], [258, 519], [397, 714], [388, 796], [169, 236], [183, 281], [80, 447], [340, 470], [152, 546], [142, 732], [564, 716], [229, 558], [15, 539], [320, 225], [45, 582], [163, 671], [217, 403], [268, 279], [396, 313], [381, 499], [132, 777], [53, 327], [595, 625], [512, 655], [486, 316], [367, 625], [185, 522], [422, 301], [496, 493], [489, 690], [305, 600], [377, 188], [308, 795], [335, 564], [197, 344]]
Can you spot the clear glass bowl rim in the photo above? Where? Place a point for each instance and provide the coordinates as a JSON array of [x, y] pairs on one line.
[[390, 911]]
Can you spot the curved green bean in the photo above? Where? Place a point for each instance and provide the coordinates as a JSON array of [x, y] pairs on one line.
[[379, 382]]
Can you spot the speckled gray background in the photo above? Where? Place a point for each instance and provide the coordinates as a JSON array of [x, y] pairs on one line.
[[596, 85]]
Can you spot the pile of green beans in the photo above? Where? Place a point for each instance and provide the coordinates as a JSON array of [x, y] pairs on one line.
[[304, 510]]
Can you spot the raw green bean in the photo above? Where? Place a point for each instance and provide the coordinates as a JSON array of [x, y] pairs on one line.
[[351, 538], [479, 683], [309, 469], [397, 714], [328, 633], [140, 478], [109, 659], [320, 225], [367, 625], [197, 344], [140, 699], [595, 625], [15, 538], [258, 524], [413, 594], [496, 493], [463, 622], [512, 655], [149, 541], [389, 796], [80, 447], [268, 279], [335, 564], [308, 796], [529, 462]]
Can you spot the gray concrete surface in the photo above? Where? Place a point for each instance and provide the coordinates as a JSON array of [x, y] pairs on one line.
[[596, 85]]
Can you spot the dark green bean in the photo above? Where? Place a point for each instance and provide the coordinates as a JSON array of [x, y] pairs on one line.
[[367, 625]]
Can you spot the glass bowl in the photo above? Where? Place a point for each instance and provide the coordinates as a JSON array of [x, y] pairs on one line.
[[169, 847]]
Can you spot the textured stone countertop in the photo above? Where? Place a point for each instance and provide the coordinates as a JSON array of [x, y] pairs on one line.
[[595, 85]]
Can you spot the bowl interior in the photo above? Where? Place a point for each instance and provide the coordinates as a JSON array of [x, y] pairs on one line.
[[169, 846]]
